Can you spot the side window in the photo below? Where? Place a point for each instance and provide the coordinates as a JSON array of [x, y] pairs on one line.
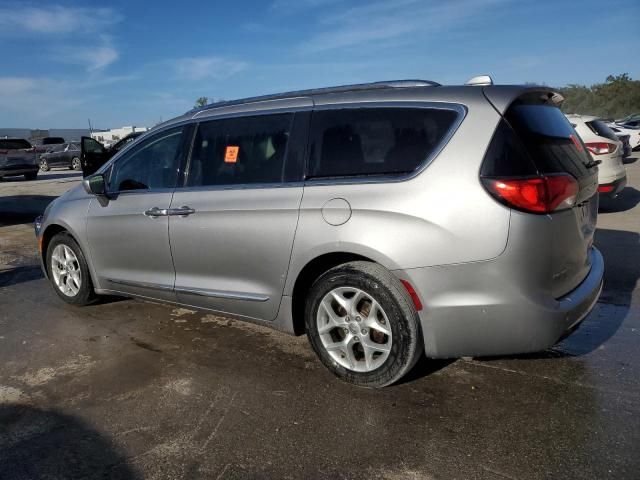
[[375, 141], [154, 164], [241, 150]]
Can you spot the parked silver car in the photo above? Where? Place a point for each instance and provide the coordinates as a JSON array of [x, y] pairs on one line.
[[384, 220]]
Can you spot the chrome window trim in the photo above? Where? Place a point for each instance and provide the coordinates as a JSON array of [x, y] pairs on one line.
[[390, 178], [240, 186], [212, 115]]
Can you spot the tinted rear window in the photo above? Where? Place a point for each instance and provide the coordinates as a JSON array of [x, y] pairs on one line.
[[375, 141], [602, 129], [14, 144], [549, 139]]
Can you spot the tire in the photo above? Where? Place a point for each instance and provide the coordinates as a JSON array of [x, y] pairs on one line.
[[393, 355], [31, 176], [44, 165], [85, 294], [75, 164]]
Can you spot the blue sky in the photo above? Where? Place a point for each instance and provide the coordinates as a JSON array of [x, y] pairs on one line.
[[135, 62]]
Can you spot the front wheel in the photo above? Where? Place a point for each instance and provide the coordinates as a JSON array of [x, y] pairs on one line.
[[68, 270], [44, 165], [362, 324], [75, 163]]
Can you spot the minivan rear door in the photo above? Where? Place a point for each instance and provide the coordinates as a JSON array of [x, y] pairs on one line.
[[233, 224], [550, 146]]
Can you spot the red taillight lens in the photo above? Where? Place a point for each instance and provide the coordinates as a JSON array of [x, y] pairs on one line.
[[605, 188], [412, 293], [536, 194], [600, 148]]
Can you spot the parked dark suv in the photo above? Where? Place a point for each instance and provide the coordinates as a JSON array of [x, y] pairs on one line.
[[66, 155], [17, 157]]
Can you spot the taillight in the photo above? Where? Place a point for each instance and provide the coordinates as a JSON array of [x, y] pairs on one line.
[[605, 188], [600, 148], [543, 194]]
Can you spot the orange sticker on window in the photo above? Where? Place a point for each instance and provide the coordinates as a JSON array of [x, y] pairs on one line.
[[231, 154]]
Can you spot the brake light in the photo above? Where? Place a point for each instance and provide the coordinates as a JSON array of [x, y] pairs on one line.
[[605, 188], [601, 148], [543, 194]]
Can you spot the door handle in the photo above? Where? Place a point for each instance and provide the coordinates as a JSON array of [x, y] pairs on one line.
[[182, 211], [156, 212]]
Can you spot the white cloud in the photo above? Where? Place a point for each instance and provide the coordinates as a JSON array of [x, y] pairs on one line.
[[55, 19], [11, 86], [93, 58], [201, 68], [386, 20]]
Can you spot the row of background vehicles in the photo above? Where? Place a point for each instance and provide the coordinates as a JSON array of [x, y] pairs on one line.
[[20, 157]]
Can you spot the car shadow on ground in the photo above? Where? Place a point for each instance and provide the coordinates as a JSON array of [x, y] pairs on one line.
[[20, 274], [37, 443], [626, 200], [21, 209], [621, 252], [51, 175]]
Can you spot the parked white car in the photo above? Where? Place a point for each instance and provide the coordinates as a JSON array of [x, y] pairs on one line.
[[604, 146], [633, 132]]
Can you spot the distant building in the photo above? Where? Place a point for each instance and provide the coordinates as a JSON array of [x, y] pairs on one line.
[[113, 135], [36, 135]]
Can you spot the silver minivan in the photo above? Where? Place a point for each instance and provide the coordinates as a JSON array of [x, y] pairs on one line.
[[383, 220]]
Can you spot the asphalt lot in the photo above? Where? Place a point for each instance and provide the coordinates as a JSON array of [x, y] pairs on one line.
[[127, 389]]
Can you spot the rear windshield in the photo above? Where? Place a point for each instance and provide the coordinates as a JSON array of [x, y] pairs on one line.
[[602, 129], [14, 144], [52, 140], [375, 141], [550, 141]]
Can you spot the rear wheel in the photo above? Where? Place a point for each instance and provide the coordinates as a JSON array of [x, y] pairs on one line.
[[75, 163], [68, 270], [44, 165], [363, 325], [31, 176]]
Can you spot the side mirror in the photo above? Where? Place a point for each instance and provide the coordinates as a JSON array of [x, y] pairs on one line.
[[95, 185]]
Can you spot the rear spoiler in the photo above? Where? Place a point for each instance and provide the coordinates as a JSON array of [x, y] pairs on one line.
[[503, 96]]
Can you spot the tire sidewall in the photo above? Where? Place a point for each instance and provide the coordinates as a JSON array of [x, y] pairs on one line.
[[406, 341], [85, 294]]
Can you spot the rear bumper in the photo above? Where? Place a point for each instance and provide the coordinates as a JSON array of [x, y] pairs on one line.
[[611, 190], [472, 310]]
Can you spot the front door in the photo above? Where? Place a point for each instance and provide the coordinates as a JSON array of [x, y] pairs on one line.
[[231, 249], [129, 231]]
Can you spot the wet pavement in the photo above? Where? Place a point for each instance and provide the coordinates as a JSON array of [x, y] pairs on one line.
[[128, 389]]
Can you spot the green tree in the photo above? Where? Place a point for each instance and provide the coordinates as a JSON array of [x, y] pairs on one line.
[[201, 102], [617, 97]]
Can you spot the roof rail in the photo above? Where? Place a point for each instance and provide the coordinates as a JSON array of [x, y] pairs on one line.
[[320, 91]]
